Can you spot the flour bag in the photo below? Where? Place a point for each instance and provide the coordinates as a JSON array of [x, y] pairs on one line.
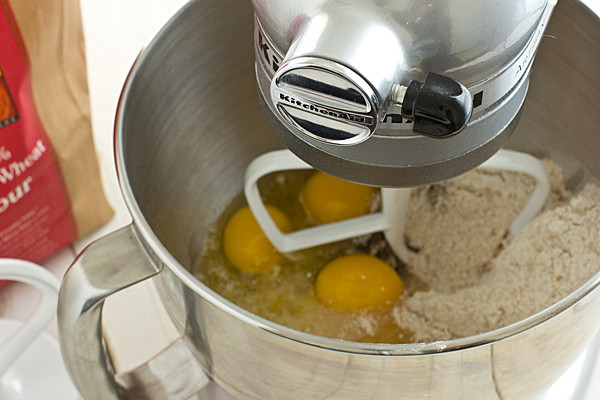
[[50, 188]]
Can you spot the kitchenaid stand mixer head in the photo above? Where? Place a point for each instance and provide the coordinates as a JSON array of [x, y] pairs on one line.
[[395, 93]]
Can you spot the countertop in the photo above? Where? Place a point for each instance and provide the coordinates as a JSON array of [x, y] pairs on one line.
[[115, 32]]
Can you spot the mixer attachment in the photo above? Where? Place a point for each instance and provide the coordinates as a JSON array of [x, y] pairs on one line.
[[391, 218]]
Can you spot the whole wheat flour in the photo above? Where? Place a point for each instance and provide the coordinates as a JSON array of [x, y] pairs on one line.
[[456, 227], [478, 278]]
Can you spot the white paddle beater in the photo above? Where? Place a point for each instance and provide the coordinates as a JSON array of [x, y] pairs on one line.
[[391, 219]]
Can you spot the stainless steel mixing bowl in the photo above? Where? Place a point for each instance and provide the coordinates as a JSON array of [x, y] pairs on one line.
[[189, 123]]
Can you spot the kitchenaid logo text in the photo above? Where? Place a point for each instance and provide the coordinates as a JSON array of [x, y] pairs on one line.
[[266, 52], [361, 119]]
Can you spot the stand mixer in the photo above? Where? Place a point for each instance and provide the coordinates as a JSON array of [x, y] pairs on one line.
[[395, 93], [188, 125]]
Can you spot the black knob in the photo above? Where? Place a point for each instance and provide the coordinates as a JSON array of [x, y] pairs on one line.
[[439, 107]]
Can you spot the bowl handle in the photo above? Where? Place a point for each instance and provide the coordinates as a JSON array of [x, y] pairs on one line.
[[106, 266]]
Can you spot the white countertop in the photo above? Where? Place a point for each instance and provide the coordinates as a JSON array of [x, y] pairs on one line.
[[115, 31]]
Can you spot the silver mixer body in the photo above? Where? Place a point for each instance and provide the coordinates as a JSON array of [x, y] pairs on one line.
[[335, 80]]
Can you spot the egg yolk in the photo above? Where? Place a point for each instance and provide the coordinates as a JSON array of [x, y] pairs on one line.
[[246, 246], [329, 199], [357, 282]]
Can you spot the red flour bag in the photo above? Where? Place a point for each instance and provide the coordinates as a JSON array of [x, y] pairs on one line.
[[50, 189]]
